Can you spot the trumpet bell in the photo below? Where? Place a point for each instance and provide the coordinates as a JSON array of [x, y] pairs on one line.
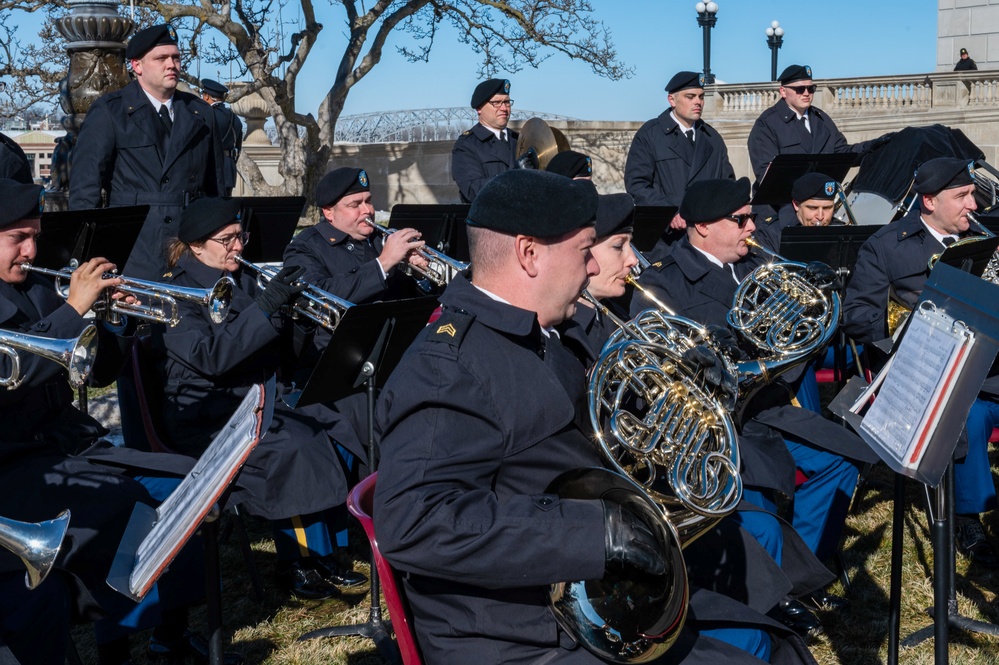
[[76, 355], [627, 616], [36, 544]]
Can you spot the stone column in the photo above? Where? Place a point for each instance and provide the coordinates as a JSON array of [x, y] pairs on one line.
[[96, 34]]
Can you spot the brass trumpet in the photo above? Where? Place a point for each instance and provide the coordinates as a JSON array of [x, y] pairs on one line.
[[162, 298], [36, 544], [76, 355], [320, 306], [441, 268]]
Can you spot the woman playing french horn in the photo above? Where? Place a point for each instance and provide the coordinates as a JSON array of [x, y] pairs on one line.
[[294, 477]]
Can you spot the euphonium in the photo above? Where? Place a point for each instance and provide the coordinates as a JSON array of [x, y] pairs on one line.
[[320, 306], [155, 301], [76, 355], [441, 268], [36, 544]]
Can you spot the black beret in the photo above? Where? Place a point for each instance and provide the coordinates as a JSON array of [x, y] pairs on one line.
[[814, 186], [22, 201], [943, 173], [615, 214], [571, 164], [340, 182], [214, 88], [684, 80], [710, 200], [534, 203], [485, 90], [795, 73], [144, 40], [205, 216]]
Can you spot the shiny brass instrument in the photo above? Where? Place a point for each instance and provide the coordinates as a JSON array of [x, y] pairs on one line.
[[317, 305], [76, 355], [155, 301], [441, 268], [36, 544]]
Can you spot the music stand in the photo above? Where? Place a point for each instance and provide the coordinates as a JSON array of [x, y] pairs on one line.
[[154, 537], [442, 226], [968, 299], [652, 223], [81, 235], [365, 347], [775, 186], [271, 221]]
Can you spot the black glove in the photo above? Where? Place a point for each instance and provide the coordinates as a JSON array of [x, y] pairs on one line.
[[628, 541], [529, 160], [725, 341], [281, 289], [822, 276], [881, 141], [703, 358]]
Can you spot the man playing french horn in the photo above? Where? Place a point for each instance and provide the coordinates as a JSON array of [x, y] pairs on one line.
[[482, 414], [699, 281]]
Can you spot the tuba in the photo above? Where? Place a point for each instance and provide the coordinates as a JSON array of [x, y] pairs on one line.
[[318, 305], [675, 460], [76, 355], [37, 545]]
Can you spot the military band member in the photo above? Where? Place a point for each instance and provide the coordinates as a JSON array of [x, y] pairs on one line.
[[479, 417], [813, 200], [343, 254], [676, 149], [148, 143], [571, 164], [14, 165], [698, 280], [489, 148], [229, 128], [892, 265], [294, 476]]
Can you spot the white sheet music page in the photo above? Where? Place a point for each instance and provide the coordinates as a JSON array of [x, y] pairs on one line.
[[918, 384]]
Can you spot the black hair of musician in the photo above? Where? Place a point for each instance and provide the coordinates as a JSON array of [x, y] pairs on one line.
[[534, 203], [615, 214], [712, 200], [814, 186], [21, 201]]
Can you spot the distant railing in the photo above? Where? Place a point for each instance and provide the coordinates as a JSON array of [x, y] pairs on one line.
[[878, 95]]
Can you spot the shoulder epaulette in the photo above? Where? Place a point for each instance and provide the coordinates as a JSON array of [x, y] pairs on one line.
[[770, 220], [466, 132], [450, 327]]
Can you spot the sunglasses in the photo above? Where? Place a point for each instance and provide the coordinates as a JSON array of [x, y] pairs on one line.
[[802, 89], [742, 220]]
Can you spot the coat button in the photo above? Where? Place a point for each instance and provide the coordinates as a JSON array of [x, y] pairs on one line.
[[350, 247], [544, 501], [167, 219], [165, 179]]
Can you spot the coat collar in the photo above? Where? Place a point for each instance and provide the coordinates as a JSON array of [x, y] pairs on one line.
[[462, 296], [911, 226], [787, 114], [204, 275]]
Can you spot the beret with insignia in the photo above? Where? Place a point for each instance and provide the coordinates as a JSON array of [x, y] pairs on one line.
[[684, 80], [205, 216], [795, 73], [146, 40], [485, 90], [21, 201], [571, 164], [813, 186], [340, 182], [711, 200], [943, 173], [534, 203]]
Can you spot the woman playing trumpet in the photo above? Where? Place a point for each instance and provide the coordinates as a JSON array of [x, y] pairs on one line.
[[295, 475]]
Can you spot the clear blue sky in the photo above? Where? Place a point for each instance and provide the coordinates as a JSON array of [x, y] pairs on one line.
[[657, 38]]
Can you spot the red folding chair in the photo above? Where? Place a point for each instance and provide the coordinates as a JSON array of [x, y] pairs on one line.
[[360, 503]]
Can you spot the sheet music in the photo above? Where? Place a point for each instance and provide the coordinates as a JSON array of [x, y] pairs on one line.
[[182, 512], [918, 383]]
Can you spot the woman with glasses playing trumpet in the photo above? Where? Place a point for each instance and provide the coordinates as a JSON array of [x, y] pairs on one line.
[[295, 475]]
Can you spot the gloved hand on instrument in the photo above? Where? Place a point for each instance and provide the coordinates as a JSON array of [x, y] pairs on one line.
[[628, 541], [281, 290], [723, 339]]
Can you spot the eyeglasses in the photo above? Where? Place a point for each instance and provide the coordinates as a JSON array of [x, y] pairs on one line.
[[802, 89], [227, 241], [501, 103], [742, 220]]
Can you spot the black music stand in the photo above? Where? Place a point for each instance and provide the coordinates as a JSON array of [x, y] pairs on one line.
[[651, 223], [365, 348], [271, 221], [775, 185], [969, 299], [442, 226]]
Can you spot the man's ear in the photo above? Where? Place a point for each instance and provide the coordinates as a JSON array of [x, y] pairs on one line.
[[700, 228], [527, 253], [928, 202]]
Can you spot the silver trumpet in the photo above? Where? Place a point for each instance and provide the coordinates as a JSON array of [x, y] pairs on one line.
[[160, 299], [36, 544], [320, 306], [76, 355], [441, 268]]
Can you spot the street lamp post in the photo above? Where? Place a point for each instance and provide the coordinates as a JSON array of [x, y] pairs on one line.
[[775, 37], [706, 18]]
